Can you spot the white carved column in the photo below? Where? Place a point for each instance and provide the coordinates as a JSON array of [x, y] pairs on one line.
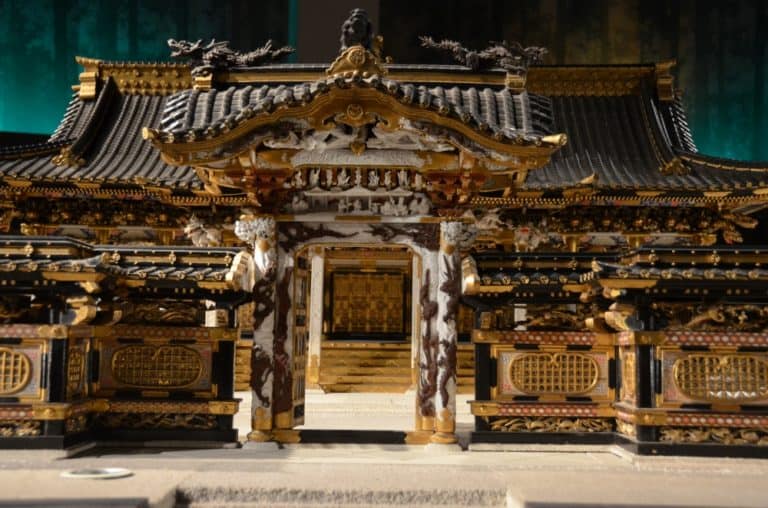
[[261, 233], [448, 299], [426, 385], [282, 347], [317, 267]]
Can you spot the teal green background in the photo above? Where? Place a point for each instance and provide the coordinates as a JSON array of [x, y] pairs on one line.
[[719, 46]]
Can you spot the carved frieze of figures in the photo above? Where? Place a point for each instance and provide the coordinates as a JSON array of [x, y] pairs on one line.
[[360, 200], [342, 178]]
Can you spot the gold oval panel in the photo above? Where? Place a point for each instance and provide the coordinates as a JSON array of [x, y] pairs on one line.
[[714, 377], [156, 366], [15, 370], [554, 373]]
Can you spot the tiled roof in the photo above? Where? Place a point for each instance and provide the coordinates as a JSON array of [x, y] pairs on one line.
[[106, 134], [193, 115], [621, 142]]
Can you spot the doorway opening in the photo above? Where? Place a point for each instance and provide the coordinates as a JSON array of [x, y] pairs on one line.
[[358, 315]]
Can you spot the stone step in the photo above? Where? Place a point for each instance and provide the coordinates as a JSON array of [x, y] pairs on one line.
[[363, 353], [365, 370], [364, 388], [361, 362], [363, 379]]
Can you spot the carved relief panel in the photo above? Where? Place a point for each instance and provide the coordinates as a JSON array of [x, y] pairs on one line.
[[155, 367], [20, 370], [552, 374], [712, 377]]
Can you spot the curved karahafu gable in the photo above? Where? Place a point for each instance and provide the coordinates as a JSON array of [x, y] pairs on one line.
[[258, 136]]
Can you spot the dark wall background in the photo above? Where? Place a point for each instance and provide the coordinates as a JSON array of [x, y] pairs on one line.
[[719, 45]]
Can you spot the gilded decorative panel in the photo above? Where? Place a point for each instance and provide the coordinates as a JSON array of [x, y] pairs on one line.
[[556, 373], [368, 303], [77, 357], [20, 370], [15, 371], [154, 365], [147, 366], [713, 377], [628, 361]]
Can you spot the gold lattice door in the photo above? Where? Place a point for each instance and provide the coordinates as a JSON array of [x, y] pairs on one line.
[[368, 303]]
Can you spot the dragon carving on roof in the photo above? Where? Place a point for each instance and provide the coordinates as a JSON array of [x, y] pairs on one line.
[[512, 57], [217, 55]]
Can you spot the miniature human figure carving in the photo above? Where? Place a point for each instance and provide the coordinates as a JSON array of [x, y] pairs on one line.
[[418, 182], [328, 178], [298, 204], [402, 179], [357, 206], [490, 220], [388, 208], [343, 205], [388, 179], [401, 209], [358, 178], [373, 179], [314, 178], [298, 180], [342, 179], [419, 206]]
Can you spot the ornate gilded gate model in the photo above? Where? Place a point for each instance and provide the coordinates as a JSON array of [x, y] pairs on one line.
[[568, 207]]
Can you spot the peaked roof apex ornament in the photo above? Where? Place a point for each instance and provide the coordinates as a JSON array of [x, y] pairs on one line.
[[360, 49], [357, 30]]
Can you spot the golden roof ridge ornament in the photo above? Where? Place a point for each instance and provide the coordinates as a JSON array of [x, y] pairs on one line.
[[360, 53], [510, 56]]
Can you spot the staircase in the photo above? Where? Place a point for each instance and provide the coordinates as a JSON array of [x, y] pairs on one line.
[[365, 367], [465, 369], [381, 367]]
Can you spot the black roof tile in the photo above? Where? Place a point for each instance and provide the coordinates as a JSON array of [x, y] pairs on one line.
[[514, 116], [624, 142], [618, 142], [108, 133]]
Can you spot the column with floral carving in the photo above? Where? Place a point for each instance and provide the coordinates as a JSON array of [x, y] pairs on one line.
[[261, 233], [448, 299]]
